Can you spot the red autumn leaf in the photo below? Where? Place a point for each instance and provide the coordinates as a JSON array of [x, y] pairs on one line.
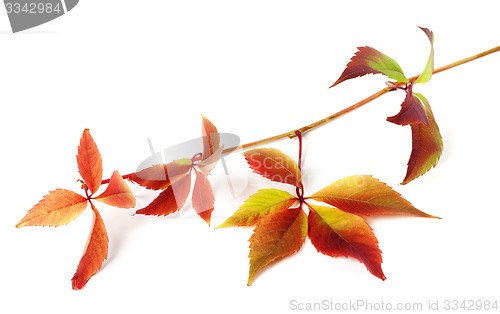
[[208, 164], [57, 208], [211, 138], [336, 233], [89, 162], [427, 145], [258, 205], [117, 193], [371, 61], [276, 236], [170, 200], [412, 112], [365, 195], [159, 177], [96, 251], [274, 165], [203, 197]]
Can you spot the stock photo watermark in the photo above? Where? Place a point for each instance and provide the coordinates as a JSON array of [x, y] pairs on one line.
[[381, 305], [26, 14]]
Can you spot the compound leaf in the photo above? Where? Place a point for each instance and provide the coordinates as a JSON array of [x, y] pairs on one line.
[[337, 233], [57, 208], [276, 236], [96, 251], [258, 205], [427, 145], [274, 165], [203, 197], [368, 60], [159, 177], [170, 200], [365, 195], [89, 162], [117, 193]]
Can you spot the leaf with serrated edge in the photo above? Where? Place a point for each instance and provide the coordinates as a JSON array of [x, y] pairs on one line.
[[211, 138], [258, 205], [159, 177], [89, 162], [412, 112], [203, 197], [96, 251], [337, 233], [276, 236], [368, 60], [170, 200], [427, 145], [274, 165], [429, 67], [117, 193], [365, 195], [57, 208]]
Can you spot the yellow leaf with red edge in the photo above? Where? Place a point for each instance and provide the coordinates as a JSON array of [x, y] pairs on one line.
[[258, 205], [276, 236], [57, 208], [275, 165], [96, 251], [427, 145], [203, 197], [337, 233], [89, 162], [170, 200], [211, 138], [365, 195], [117, 193], [159, 177]]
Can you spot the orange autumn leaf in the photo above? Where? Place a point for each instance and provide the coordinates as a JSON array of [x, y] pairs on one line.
[[275, 165], [427, 145], [211, 138], [96, 251], [203, 197], [170, 200], [159, 177], [117, 193], [337, 233], [89, 162], [365, 195], [57, 208], [276, 236]]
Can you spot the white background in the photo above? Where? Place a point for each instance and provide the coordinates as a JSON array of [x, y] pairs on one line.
[[133, 70]]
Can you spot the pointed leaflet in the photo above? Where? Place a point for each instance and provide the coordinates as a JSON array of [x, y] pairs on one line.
[[336, 233], [429, 67], [274, 165], [203, 197], [117, 193], [368, 60], [211, 139], [364, 195], [427, 145], [170, 200], [258, 205], [57, 208], [96, 251], [159, 177], [412, 112], [89, 162], [276, 236]]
